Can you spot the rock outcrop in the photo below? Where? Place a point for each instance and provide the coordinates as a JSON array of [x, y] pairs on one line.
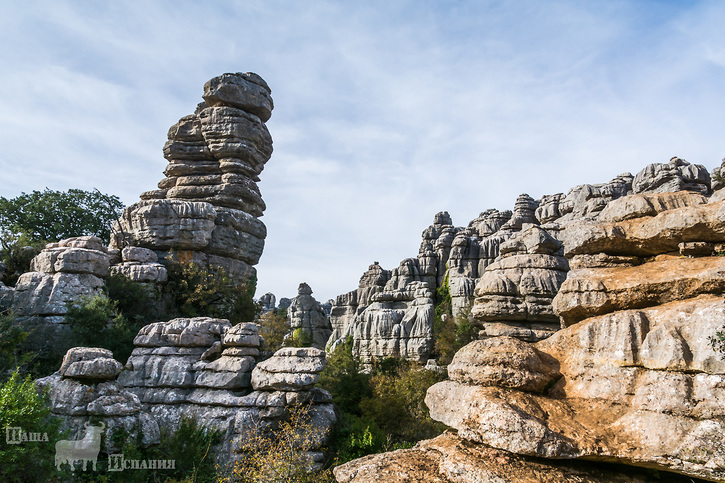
[[85, 388], [514, 294], [207, 369], [207, 208], [307, 319], [632, 378], [515, 286], [60, 273]]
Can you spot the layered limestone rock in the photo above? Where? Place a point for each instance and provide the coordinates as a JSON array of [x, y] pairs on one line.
[[207, 369], [307, 319], [677, 175], [61, 273], [514, 294], [590, 216], [85, 391], [345, 307], [632, 378], [206, 210], [449, 458], [140, 265], [397, 323]]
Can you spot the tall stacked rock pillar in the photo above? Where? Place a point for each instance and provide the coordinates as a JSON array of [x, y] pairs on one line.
[[207, 208]]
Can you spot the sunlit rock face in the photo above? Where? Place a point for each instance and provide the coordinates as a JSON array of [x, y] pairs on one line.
[[509, 291], [207, 208], [631, 377]]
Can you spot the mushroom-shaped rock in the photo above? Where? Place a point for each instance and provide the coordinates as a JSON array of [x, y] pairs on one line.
[[503, 362]]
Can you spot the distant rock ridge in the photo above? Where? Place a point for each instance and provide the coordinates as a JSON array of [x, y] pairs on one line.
[[631, 377], [504, 269], [207, 208]]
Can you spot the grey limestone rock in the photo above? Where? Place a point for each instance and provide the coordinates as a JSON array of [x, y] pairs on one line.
[[514, 294], [85, 388], [677, 175], [307, 319], [207, 208]]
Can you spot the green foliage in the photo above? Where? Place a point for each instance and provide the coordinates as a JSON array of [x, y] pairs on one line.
[[443, 301], [397, 404], [134, 301], [718, 342], [451, 334], [280, 456], [16, 254], [195, 291], [23, 406], [356, 437], [301, 338], [344, 378], [95, 321], [13, 357], [378, 411], [273, 328], [54, 215]]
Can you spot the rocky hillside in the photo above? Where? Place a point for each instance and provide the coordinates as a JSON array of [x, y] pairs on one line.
[[499, 267], [631, 377]]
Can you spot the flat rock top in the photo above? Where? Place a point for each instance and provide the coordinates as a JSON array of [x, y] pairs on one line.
[[182, 332]]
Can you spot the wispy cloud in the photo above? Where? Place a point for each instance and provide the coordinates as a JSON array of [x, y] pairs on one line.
[[386, 112]]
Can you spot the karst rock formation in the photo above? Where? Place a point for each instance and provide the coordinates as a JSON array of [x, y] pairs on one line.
[[207, 208], [636, 281], [502, 270]]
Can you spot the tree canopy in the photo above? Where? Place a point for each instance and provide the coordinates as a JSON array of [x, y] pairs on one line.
[[50, 216]]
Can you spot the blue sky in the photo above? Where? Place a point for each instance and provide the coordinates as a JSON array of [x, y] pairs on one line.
[[385, 111]]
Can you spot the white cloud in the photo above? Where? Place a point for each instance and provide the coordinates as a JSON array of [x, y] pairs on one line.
[[386, 112]]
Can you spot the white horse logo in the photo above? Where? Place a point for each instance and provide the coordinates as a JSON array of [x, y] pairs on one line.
[[85, 450]]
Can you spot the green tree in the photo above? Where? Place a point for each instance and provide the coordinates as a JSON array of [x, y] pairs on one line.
[[12, 354], [54, 215], [344, 378], [273, 328], [95, 321], [397, 404], [23, 406], [198, 292]]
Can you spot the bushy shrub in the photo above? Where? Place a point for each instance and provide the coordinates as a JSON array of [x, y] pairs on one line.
[[280, 456], [135, 302], [23, 406], [397, 404], [13, 356], [273, 327], [450, 334], [198, 292], [95, 321], [344, 378]]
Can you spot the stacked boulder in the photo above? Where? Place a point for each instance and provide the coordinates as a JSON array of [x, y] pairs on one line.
[[514, 295], [140, 265], [206, 210], [85, 388], [307, 319], [632, 378], [207, 369], [60, 273]]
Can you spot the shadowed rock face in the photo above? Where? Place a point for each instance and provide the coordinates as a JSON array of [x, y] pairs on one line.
[[208, 369], [207, 207]]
